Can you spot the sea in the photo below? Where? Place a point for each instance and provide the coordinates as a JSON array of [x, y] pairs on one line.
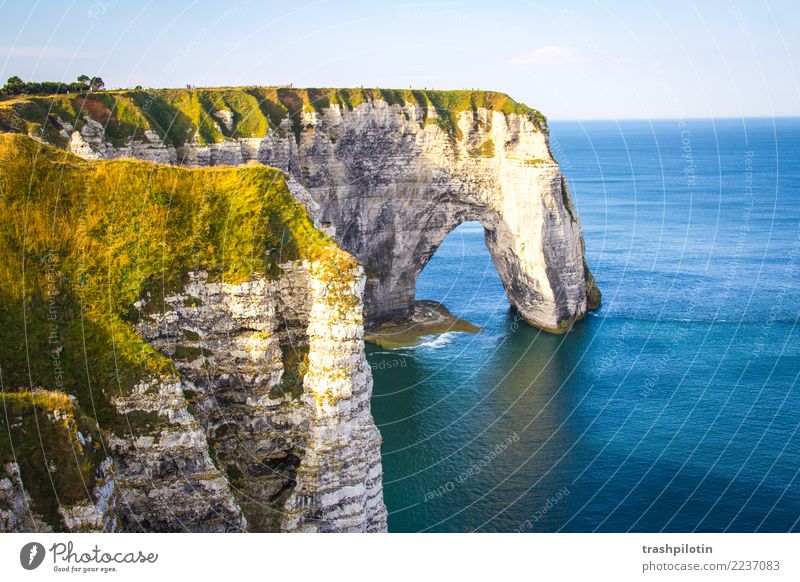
[[675, 407]]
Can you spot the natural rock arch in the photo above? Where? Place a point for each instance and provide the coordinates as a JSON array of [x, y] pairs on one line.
[[390, 190], [388, 181], [388, 173], [536, 250]]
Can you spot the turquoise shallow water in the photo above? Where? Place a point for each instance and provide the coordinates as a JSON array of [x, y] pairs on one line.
[[674, 408]]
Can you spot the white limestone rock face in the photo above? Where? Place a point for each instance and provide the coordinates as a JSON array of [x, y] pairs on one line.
[[268, 421], [98, 513], [391, 188], [90, 143], [265, 425], [389, 185], [165, 477], [298, 446], [339, 481], [226, 117]]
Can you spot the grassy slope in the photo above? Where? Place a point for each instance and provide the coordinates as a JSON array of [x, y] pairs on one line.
[[180, 115], [80, 242]]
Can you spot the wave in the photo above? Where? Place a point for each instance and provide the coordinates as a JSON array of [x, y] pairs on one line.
[[436, 342]]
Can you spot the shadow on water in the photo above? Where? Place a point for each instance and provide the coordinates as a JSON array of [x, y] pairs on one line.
[[458, 446], [514, 429]]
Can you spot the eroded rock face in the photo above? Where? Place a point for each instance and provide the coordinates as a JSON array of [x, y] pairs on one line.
[[391, 188], [245, 408], [299, 448], [67, 485], [166, 479], [90, 143], [389, 185], [265, 426]]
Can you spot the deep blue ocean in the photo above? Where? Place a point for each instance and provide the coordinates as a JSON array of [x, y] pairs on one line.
[[675, 407]]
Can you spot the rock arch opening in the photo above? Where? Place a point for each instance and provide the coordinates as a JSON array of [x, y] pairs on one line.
[[531, 233], [462, 276], [389, 173]]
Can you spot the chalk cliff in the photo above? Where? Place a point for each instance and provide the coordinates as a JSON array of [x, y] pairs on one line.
[[182, 351], [197, 335], [389, 174]]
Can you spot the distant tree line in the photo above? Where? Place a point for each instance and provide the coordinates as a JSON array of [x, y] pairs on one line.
[[16, 86]]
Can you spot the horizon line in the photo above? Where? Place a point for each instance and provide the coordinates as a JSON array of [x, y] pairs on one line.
[[688, 118]]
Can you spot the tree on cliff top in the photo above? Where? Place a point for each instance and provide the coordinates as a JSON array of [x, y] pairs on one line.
[[84, 83]]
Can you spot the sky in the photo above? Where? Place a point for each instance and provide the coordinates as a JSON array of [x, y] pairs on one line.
[[571, 60]]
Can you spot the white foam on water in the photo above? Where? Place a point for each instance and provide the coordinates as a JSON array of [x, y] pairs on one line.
[[436, 342]]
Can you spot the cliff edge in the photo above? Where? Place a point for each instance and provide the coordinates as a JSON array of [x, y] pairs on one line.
[[387, 173], [182, 351]]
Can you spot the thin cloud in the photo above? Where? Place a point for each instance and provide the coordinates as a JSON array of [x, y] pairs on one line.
[[547, 55], [51, 52]]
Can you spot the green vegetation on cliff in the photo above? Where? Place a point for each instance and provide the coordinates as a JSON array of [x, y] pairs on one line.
[[180, 116], [485, 150], [81, 242], [40, 431]]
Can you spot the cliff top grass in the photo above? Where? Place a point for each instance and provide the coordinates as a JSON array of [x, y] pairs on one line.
[[81, 242], [181, 116]]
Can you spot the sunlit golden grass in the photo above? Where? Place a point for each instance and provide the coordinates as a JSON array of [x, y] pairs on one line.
[[81, 242]]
